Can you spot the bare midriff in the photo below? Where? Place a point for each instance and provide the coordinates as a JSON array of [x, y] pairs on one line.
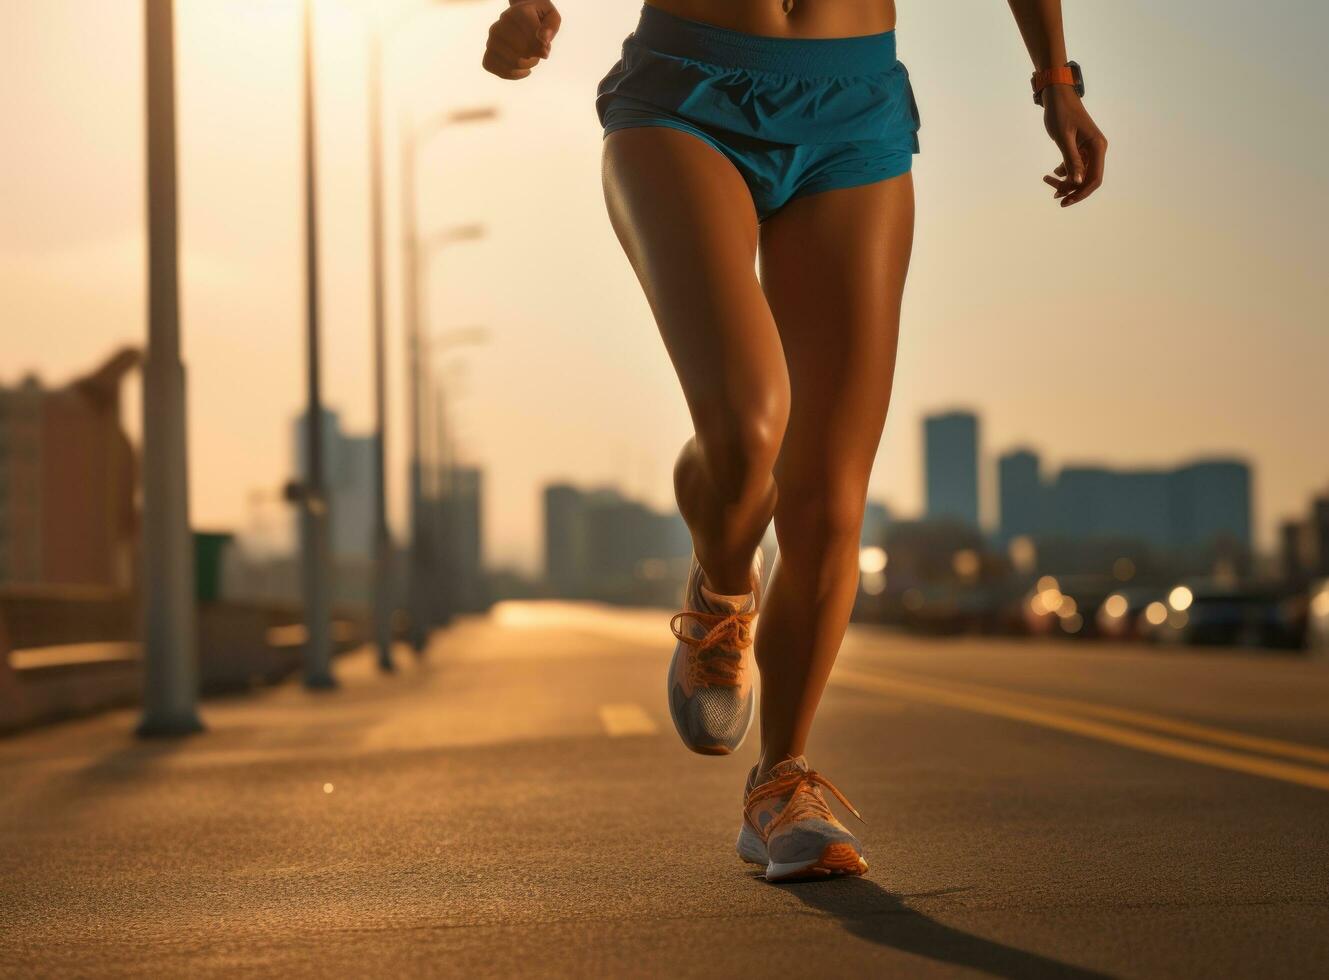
[[789, 18]]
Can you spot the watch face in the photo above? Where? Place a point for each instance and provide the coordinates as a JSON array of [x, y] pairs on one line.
[[1078, 76]]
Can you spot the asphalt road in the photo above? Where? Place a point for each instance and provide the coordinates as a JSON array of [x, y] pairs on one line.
[[518, 805]]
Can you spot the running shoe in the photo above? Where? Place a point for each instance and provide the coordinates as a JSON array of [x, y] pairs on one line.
[[710, 676], [789, 827]]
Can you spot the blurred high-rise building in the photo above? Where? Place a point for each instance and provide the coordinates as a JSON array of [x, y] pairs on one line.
[[600, 544], [1211, 503], [1097, 502], [1294, 550], [951, 467], [1200, 511], [1019, 495], [348, 462], [565, 538], [67, 481], [1305, 543], [876, 518], [463, 534], [1320, 534]]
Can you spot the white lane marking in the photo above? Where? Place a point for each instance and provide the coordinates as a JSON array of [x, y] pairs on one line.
[[626, 719]]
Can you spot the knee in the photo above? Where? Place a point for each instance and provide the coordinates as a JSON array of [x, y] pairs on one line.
[[740, 443], [820, 516]]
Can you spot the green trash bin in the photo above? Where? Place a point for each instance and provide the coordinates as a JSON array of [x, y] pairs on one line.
[[209, 549]]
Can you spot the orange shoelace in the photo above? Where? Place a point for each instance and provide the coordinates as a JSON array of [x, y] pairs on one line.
[[716, 659], [805, 800]]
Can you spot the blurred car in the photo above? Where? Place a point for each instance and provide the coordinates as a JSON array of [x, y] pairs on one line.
[[1121, 615], [1066, 605], [1317, 618], [1214, 615], [949, 608]]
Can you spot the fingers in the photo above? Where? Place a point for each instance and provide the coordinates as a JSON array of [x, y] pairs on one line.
[[551, 21], [541, 18], [503, 69], [520, 38], [1083, 148], [1093, 150], [1071, 165], [1058, 181], [507, 57]]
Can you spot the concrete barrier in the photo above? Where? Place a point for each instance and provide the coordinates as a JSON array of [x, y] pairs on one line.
[[66, 652]]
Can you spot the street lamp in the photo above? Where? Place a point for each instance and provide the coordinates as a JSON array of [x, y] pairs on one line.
[[312, 496], [426, 560], [434, 390], [170, 650], [442, 491], [412, 139], [379, 34], [446, 525]]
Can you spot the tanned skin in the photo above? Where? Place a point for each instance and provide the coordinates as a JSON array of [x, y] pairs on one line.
[[786, 373]]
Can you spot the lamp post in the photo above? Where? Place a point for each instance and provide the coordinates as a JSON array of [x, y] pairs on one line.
[[441, 465], [313, 497], [411, 141], [429, 573], [383, 579], [383, 591], [170, 655]]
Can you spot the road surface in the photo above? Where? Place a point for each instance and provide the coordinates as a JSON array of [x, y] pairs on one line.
[[518, 805]]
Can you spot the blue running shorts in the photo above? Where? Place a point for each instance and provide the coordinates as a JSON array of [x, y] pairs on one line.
[[796, 116]]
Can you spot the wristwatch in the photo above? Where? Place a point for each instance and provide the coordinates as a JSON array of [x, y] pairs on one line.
[[1068, 75]]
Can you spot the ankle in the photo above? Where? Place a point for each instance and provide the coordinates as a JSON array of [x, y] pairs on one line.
[[730, 578], [769, 761]]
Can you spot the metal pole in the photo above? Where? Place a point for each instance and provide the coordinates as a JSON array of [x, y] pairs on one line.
[[446, 586], [170, 650], [315, 558], [410, 300], [383, 586]]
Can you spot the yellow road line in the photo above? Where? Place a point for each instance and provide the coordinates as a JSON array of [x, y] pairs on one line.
[[1145, 719], [626, 719], [1102, 731]]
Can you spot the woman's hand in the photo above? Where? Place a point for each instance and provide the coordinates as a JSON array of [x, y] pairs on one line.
[[520, 38], [1083, 146]]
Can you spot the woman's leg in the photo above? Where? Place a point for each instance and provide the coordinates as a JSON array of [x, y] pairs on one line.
[[686, 221], [833, 268]]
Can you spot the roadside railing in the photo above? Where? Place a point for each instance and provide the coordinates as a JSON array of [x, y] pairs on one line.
[[67, 651]]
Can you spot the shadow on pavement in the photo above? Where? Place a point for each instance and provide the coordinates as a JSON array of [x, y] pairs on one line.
[[870, 912], [123, 762]]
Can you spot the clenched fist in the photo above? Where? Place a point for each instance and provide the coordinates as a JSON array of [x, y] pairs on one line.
[[521, 36]]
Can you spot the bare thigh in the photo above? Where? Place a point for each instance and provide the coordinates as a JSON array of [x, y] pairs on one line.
[[833, 267], [686, 221]]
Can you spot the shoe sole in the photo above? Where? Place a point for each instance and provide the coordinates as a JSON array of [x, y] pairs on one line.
[[709, 749], [838, 860]]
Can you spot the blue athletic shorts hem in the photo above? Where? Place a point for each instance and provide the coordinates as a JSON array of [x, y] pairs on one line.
[[795, 116], [853, 180], [659, 123]]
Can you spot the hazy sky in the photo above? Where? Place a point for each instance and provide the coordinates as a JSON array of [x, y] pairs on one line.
[[1183, 311]]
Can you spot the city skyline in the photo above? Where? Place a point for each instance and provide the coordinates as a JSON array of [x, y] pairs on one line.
[[1167, 333]]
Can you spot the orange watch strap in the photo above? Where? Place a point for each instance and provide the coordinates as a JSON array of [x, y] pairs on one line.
[[1052, 76]]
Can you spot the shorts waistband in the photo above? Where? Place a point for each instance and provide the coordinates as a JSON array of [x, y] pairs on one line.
[[866, 54]]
